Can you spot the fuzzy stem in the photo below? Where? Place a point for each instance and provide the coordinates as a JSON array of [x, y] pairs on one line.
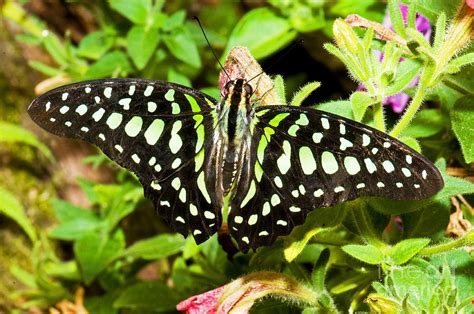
[[467, 239], [379, 119], [411, 111]]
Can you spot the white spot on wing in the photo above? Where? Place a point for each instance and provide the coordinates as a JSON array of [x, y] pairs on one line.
[[388, 166], [329, 162], [148, 90]]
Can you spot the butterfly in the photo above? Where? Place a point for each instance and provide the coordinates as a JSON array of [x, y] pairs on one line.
[[260, 168]]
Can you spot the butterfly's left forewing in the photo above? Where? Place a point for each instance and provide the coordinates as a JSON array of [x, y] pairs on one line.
[[304, 159], [156, 129]]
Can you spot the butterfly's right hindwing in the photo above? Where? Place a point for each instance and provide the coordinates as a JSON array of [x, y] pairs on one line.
[[156, 129]]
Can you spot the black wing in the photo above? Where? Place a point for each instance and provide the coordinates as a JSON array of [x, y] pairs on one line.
[[156, 129], [305, 159]]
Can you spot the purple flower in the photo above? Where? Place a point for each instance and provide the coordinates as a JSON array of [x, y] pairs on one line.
[[399, 101]]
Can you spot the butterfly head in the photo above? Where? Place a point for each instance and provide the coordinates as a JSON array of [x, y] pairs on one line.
[[238, 92]]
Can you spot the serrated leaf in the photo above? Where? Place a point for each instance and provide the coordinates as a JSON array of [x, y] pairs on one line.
[[274, 32], [158, 247], [360, 101], [367, 253], [462, 119], [134, 10], [12, 208], [404, 250], [304, 92], [12, 133], [141, 44], [182, 46], [153, 296], [94, 252]]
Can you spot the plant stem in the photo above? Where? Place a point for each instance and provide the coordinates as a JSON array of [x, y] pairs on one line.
[[364, 224], [411, 111], [467, 239], [379, 119]]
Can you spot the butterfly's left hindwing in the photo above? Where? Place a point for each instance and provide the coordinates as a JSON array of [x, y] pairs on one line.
[[157, 130], [304, 159]]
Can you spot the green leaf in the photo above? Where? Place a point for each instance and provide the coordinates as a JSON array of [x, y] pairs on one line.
[[111, 64], [396, 18], [404, 250], [367, 253], [45, 69], [462, 118], [463, 265], [158, 247], [316, 222], [427, 221], [181, 45], [304, 92], [342, 108], [12, 208], [411, 142], [176, 77], [274, 32], [175, 20], [426, 123], [279, 86], [55, 48], [94, 45], [153, 296], [463, 60], [12, 133], [360, 101], [135, 10], [94, 252], [76, 229], [432, 8], [406, 72], [141, 44], [66, 212]]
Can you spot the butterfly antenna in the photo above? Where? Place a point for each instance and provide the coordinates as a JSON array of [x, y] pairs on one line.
[[298, 42], [210, 47]]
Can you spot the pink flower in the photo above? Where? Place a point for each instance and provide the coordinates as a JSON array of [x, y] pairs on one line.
[[205, 303], [241, 294]]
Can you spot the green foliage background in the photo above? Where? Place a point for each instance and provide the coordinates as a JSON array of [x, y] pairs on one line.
[[352, 255]]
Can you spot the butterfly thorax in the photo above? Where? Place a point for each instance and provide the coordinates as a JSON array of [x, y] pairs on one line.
[[234, 130]]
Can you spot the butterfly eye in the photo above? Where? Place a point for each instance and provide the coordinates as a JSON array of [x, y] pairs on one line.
[[229, 85], [248, 89]]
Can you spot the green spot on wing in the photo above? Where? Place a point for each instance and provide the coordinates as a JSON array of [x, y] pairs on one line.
[[192, 101], [278, 118]]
